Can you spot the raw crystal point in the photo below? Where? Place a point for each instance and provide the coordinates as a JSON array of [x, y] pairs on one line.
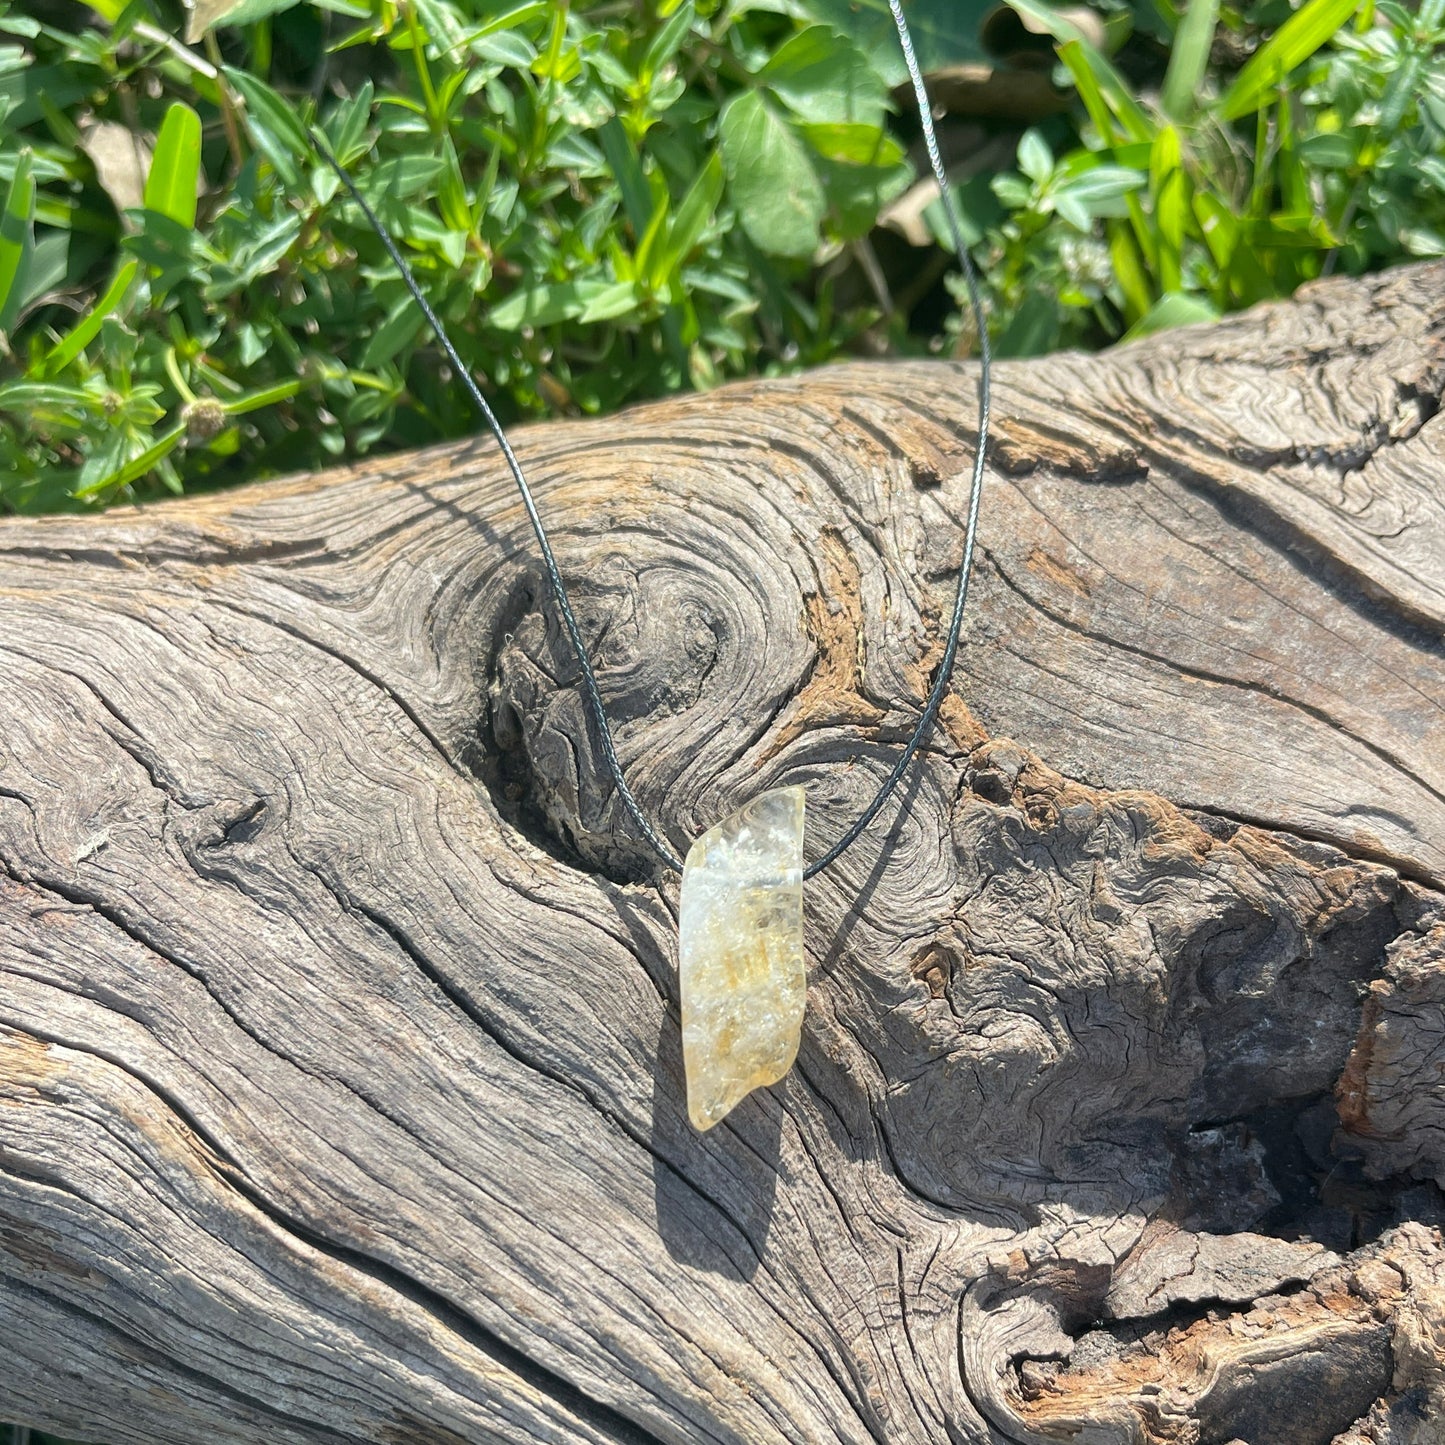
[[740, 958]]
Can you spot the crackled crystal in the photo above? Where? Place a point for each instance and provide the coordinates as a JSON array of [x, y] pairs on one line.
[[741, 953]]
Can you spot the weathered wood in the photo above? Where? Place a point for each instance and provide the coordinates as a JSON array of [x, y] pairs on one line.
[[340, 1081]]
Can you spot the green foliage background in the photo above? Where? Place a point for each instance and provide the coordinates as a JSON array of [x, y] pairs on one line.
[[615, 200]]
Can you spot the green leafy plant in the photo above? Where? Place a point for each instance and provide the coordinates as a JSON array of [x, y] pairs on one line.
[[1212, 192], [602, 205], [606, 203]]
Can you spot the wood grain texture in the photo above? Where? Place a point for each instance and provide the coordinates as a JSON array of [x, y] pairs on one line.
[[341, 1095]]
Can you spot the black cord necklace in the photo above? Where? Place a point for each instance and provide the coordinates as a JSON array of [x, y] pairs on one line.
[[741, 969]]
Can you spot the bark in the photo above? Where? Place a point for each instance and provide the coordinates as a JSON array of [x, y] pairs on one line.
[[341, 1094]]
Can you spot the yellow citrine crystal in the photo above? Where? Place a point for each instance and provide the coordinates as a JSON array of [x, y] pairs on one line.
[[740, 956]]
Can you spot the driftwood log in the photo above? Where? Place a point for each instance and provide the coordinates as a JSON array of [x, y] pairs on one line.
[[341, 1095]]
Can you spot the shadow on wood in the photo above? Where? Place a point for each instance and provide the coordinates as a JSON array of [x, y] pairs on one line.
[[340, 1083]]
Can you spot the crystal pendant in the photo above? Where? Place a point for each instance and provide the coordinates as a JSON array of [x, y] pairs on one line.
[[740, 958]]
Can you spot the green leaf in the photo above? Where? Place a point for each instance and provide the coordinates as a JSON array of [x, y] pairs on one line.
[[1144, 232], [559, 62], [1033, 330], [1105, 94], [451, 193], [1400, 93], [1096, 107], [1103, 188], [547, 304], [84, 332], [256, 256], [945, 32], [48, 264], [1431, 170], [1175, 308], [50, 403], [15, 234], [667, 40], [853, 145], [1218, 225], [403, 322], [401, 178], [1072, 209], [506, 47], [857, 194], [1422, 241], [175, 171], [618, 299], [1188, 58], [275, 127], [1291, 45], [823, 77], [136, 468], [1035, 159], [692, 216], [1129, 271], [347, 128], [23, 93], [507, 20], [1169, 187], [1292, 178], [175, 253], [1303, 231], [207, 14], [1012, 190], [779, 198], [267, 396], [1329, 152], [627, 169], [650, 236]]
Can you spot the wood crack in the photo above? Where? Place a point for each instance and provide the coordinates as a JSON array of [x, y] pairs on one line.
[[1384, 755]]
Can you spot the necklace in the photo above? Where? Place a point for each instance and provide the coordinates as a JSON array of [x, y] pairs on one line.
[[742, 978]]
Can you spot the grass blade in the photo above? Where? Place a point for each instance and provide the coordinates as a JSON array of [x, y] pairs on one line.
[[15, 224], [1095, 77], [1169, 187], [622, 158], [1188, 58], [1291, 45], [137, 467], [85, 331], [1129, 270], [692, 215]]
